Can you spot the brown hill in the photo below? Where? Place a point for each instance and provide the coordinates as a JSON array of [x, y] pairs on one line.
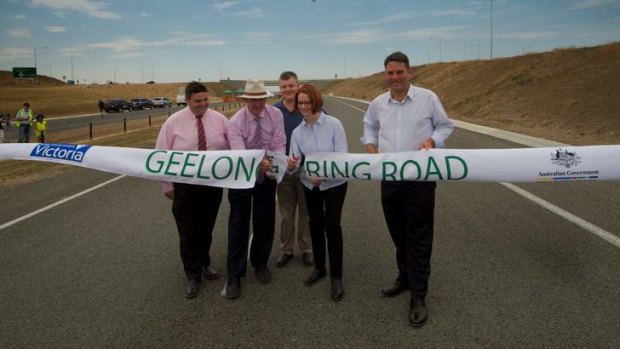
[[6, 80], [567, 95], [55, 99]]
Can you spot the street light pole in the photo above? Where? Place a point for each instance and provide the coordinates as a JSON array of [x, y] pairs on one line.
[[438, 39], [491, 29]]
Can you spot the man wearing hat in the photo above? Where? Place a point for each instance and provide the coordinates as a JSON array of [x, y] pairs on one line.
[[256, 126], [23, 120]]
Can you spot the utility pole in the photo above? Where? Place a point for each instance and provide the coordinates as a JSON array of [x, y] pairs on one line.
[[439, 40], [491, 29]]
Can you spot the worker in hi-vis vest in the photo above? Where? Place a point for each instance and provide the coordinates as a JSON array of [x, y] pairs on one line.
[[23, 121], [40, 128]]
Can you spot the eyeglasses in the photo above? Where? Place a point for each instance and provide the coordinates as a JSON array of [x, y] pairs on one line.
[[304, 103]]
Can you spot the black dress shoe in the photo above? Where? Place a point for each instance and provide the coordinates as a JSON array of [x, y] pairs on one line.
[[210, 273], [315, 276], [337, 290], [418, 312], [283, 260], [395, 290], [233, 288], [308, 259], [263, 276], [193, 286]]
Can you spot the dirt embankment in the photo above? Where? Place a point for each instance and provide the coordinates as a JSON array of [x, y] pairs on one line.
[[567, 95], [54, 98]]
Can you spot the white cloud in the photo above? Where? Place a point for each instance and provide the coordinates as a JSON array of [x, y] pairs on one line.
[[450, 13], [126, 47], [128, 55], [11, 53], [253, 13], [92, 8], [144, 14], [19, 32], [526, 35], [589, 4], [19, 16], [259, 36], [55, 29], [425, 33], [354, 37], [222, 6], [386, 20]]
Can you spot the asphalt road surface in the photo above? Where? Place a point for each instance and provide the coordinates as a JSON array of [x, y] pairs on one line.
[[102, 270]]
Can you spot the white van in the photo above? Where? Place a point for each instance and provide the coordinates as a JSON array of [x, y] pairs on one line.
[[181, 97]]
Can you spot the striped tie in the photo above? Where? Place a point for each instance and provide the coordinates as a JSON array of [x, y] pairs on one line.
[[257, 141], [202, 139]]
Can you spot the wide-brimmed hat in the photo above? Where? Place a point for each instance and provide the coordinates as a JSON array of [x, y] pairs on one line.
[[255, 89]]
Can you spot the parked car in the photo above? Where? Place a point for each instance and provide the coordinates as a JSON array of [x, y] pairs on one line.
[[140, 103], [161, 102], [116, 104]]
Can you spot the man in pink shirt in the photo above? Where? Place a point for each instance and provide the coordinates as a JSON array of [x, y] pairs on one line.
[[256, 126], [194, 207]]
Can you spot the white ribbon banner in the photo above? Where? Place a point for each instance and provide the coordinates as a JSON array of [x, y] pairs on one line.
[[227, 168], [238, 168], [479, 165]]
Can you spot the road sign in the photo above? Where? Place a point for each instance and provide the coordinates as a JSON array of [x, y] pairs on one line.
[[25, 72]]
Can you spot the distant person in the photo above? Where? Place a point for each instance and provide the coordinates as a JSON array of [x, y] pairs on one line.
[[23, 121], [40, 128], [194, 207], [2, 122], [291, 197], [7, 121], [321, 133], [255, 126], [407, 118], [101, 105]]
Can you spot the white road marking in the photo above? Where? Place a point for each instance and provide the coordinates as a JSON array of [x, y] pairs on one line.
[[531, 142], [602, 233], [60, 202]]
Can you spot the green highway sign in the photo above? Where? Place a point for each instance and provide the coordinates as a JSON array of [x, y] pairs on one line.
[[25, 72]]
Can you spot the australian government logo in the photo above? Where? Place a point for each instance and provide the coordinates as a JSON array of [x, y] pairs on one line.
[[69, 152], [568, 160]]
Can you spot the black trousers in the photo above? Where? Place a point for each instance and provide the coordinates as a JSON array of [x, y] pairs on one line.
[[325, 211], [259, 203], [195, 210], [409, 208]]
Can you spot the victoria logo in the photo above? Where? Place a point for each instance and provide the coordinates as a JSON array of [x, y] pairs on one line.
[[69, 152], [565, 158]]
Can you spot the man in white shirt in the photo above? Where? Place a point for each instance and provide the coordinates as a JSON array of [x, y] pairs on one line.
[[407, 118]]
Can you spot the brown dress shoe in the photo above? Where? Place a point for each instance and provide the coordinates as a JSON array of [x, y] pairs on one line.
[[418, 312], [337, 290], [315, 276], [308, 258], [233, 288], [395, 290], [193, 286], [263, 276], [283, 259], [210, 273]]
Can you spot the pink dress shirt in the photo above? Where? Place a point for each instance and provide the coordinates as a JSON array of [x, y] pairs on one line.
[[242, 128], [179, 133]]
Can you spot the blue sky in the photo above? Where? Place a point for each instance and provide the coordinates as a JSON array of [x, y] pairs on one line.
[[173, 41]]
